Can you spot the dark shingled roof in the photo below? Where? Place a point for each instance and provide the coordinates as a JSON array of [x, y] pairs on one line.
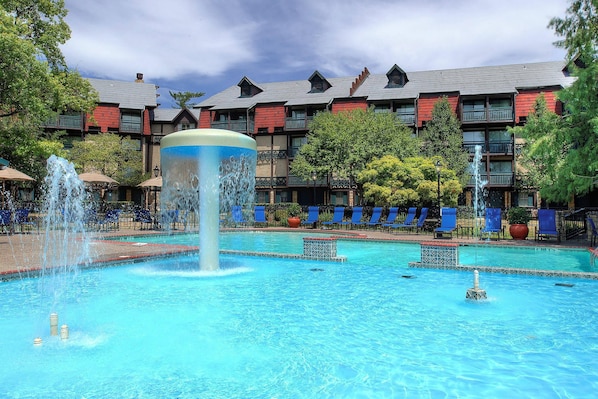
[[500, 79]]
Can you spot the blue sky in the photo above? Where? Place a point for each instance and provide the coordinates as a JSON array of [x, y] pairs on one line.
[[209, 45]]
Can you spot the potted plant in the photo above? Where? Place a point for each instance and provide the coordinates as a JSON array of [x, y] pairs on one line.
[[293, 212], [518, 218]]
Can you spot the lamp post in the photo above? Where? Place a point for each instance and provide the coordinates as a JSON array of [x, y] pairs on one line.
[[438, 189], [156, 173], [314, 177]]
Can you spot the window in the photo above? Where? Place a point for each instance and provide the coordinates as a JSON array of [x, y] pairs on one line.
[[296, 143], [186, 125], [501, 167], [130, 121], [381, 108], [475, 136]]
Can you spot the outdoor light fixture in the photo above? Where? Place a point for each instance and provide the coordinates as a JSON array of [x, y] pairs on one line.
[[156, 171]]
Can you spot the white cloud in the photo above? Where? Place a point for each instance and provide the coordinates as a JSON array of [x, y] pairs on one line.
[[216, 42]]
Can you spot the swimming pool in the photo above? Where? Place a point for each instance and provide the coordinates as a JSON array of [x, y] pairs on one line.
[[534, 258], [284, 328]]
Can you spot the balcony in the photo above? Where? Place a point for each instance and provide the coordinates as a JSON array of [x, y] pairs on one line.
[[407, 119], [495, 179], [494, 147], [470, 147], [132, 127], [237, 125], [267, 182], [493, 114], [501, 147], [71, 122], [298, 123]]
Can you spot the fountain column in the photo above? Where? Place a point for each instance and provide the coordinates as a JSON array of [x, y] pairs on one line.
[[207, 171]]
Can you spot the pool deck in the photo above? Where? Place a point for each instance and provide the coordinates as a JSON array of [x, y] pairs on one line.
[[23, 253]]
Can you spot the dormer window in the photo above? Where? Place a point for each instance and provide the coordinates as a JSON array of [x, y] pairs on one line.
[[396, 77], [319, 84], [248, 88]]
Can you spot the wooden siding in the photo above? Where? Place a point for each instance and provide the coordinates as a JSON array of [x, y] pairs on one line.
[[105, 116], [349, 104], [205, 119], [269, 116], [524, 102]]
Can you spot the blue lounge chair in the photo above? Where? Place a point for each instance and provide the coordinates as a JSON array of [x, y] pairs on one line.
[[355, 217], [421, 220], [393, 212], [407, 223], [22, 220], [111, 220], [337, 216], [375, 218], [144, 217], [259, 215], [6, 224], [547, 225], [313, 215], [493, 224], [593, 231], [448, 223], [237, 215]]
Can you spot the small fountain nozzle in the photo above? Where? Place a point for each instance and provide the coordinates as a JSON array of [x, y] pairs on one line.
[[476, 293]]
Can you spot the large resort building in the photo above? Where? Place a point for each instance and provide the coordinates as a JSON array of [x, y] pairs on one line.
[[486, 100]]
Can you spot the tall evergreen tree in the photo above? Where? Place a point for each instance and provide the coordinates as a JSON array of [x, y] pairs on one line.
[[443, 137], [183, 98], [573, 142]]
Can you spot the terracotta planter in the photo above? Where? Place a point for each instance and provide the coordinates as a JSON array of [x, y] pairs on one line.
[[294, 222], [518, 231]]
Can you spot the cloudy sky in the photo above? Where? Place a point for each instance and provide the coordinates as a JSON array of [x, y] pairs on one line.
[[209, 45]]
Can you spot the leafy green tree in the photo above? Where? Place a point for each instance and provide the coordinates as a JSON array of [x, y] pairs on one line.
[[544, 150], [111, 155], [565, 153], [34, 80], [412, 181], [183, 98], [443, 137], [342, 144]]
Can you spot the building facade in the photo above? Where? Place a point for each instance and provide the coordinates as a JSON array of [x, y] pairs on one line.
[[486, 100]]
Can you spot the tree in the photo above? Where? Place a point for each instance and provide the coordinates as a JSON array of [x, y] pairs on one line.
[[342, 144], [182, 98], [443, 136], [35, 83], [111, 155], [543, 152], [412, 181], [565, 154]]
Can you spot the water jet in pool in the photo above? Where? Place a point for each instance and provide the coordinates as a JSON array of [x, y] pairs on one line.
[[207, 171]]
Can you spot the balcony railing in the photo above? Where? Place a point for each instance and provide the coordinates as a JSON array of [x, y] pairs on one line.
[[66, 122], [494, 147], [490, 115], [130, 127], [470, 147], [266, 155], [501, 147], [495, 179], [237, 125], [407, 119], [266, 182], [298, 123]]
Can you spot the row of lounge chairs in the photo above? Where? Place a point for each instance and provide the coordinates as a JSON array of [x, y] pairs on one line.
[[414, 221]]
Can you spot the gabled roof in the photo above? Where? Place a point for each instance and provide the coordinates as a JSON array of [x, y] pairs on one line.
[[172, 114], [466, 81], [129, 95]]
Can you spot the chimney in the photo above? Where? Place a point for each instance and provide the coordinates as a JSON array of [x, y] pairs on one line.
[[359, 80], [139, 78]]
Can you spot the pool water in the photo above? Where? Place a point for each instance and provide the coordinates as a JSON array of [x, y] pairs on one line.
[[537, 258], [283, 328]]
